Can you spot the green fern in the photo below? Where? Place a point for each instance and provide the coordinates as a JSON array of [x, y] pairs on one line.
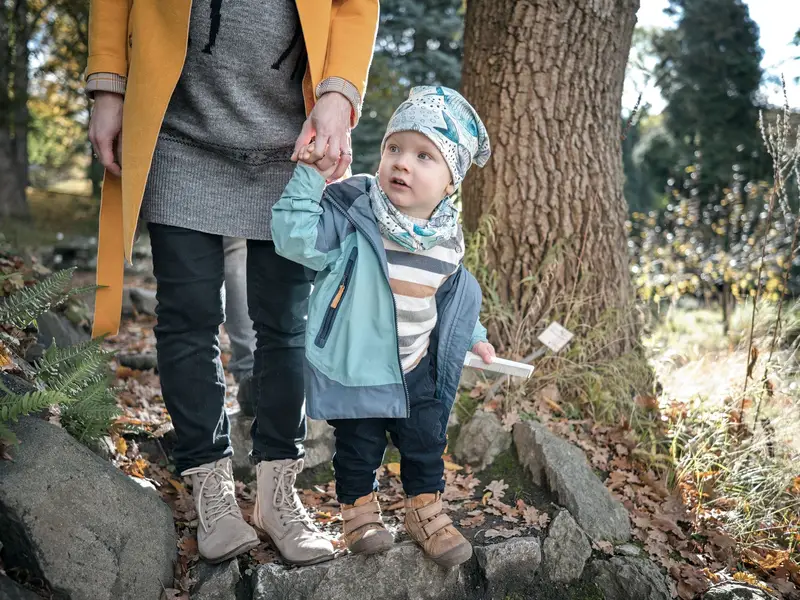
[[73, 369], [12, 406], [23, 307], [76, 378]]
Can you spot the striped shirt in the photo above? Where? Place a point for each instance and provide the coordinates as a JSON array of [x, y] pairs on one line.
[[414, 278]]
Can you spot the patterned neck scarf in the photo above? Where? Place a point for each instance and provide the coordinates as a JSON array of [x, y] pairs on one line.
[[401, 229]]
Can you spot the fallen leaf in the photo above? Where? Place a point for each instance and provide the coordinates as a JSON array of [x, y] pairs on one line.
[[603, 546], [497, 488], [473, 521], [449, 466], [121, 445], [504, 533], [393, 468]]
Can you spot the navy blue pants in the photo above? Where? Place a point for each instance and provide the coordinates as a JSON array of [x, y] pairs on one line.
[[421, 440], [189, 269]]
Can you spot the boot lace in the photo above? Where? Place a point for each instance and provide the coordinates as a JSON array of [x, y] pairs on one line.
[[214, 499], [285, 498]]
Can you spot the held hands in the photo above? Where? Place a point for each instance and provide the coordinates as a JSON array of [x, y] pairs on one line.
[[485, 350], [305, 156], [328, 126]]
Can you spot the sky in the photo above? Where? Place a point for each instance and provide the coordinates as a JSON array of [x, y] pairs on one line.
[[778, 20]]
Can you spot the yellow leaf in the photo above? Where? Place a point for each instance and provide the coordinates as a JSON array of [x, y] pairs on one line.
[[177, 485], [486, 497], [393, 468], [449, 466], [121, 445]]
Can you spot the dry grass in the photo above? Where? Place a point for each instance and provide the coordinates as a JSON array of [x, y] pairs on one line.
[[749, 469], [54, 215]]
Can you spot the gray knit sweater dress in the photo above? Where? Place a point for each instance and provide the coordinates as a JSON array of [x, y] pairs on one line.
[[222, 157]]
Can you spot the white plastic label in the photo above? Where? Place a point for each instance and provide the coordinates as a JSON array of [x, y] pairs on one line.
[[499, 365], [555, 337]]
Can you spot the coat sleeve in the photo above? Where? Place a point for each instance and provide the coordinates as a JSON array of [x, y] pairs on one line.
[[478, 335], [305, 228], [108, 37], [354, 25]]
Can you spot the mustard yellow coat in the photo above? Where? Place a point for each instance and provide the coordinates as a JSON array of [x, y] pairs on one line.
[[146, 40]]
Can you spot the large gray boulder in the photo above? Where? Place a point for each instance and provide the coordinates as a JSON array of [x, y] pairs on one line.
[[566, 549], [563, 468], [217, 582], [735, 591], [482, 440], [509, 567], [11, 590], [402, 573], [624, 578], [80, 524]]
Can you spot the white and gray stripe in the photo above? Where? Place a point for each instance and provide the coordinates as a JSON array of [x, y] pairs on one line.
[[415, 277]]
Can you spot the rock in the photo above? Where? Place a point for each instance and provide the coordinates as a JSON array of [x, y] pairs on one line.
[[144, 301], [139, 362], [623, 578], [78, 523], [735, 591], [566, 549], [11, 590], [55, 327], [628, 550], [509, 567], [566, 472], [242, 443], [14, 384], [482, 439], [319, 443], [401, 573], [216, 582], [128, 309]]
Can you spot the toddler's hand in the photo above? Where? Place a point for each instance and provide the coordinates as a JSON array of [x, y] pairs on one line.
[[305, 155], [485, 350]]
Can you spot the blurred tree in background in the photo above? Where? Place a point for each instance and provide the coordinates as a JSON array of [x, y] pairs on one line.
[[709, 73], [420, 42]]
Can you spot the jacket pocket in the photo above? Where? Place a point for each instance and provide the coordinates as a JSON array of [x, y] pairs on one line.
[[333, 306]]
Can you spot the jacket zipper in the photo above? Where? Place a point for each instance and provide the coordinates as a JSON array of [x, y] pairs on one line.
[[336, 301], [394, 304]]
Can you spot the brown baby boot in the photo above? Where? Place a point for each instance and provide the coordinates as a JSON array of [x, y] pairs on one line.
[[434, 532], [364, 531]]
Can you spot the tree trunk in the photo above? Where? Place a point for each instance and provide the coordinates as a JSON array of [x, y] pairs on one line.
[[12, 193], [21, 55], [546, 76], [12, 189]]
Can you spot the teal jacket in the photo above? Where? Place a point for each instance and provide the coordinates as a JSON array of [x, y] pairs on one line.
[[352, 367]]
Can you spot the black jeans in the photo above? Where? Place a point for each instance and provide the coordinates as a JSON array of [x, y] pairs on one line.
[[421, 440], [189, 268]]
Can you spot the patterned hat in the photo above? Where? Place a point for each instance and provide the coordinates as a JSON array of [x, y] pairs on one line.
[[449, 121]]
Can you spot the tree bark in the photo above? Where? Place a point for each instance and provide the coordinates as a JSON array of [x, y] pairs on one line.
[[21, 81], [12, 192], [546, 76]]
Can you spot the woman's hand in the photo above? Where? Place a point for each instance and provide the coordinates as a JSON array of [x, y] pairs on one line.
[[105, 129], [306, 154]]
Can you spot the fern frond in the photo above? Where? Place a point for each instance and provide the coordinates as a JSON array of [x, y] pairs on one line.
[[6, 435], [13, 406], [78, 291], [21, 308], [73, 369]]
